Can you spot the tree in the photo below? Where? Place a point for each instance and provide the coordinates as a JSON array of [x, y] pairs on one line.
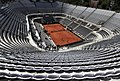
[[104, 4]]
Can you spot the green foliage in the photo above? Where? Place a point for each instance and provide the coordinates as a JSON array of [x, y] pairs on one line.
[[116, 6], [103, 4]]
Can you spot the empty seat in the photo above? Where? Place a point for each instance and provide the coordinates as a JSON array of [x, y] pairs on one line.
[[53, 77], [39, 77], [65, 77]]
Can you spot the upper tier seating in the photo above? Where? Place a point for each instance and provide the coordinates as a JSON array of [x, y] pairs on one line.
[[78, 11], [87, 13], [100, 16], [114, 22]]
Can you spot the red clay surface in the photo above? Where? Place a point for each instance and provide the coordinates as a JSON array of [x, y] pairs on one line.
[[60, 36], [53, 28]]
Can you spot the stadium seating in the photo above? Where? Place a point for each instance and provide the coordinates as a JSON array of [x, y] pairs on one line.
[[20, 60], [91, 36], [87, 13], [65, 21], [103, 33], [113, 23], [82, 30], [78, 11], [68, 8], [72, 25], [100, 16]]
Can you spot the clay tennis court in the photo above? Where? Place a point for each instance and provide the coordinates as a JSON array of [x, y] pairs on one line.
[[53, 28], [60, 36]]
